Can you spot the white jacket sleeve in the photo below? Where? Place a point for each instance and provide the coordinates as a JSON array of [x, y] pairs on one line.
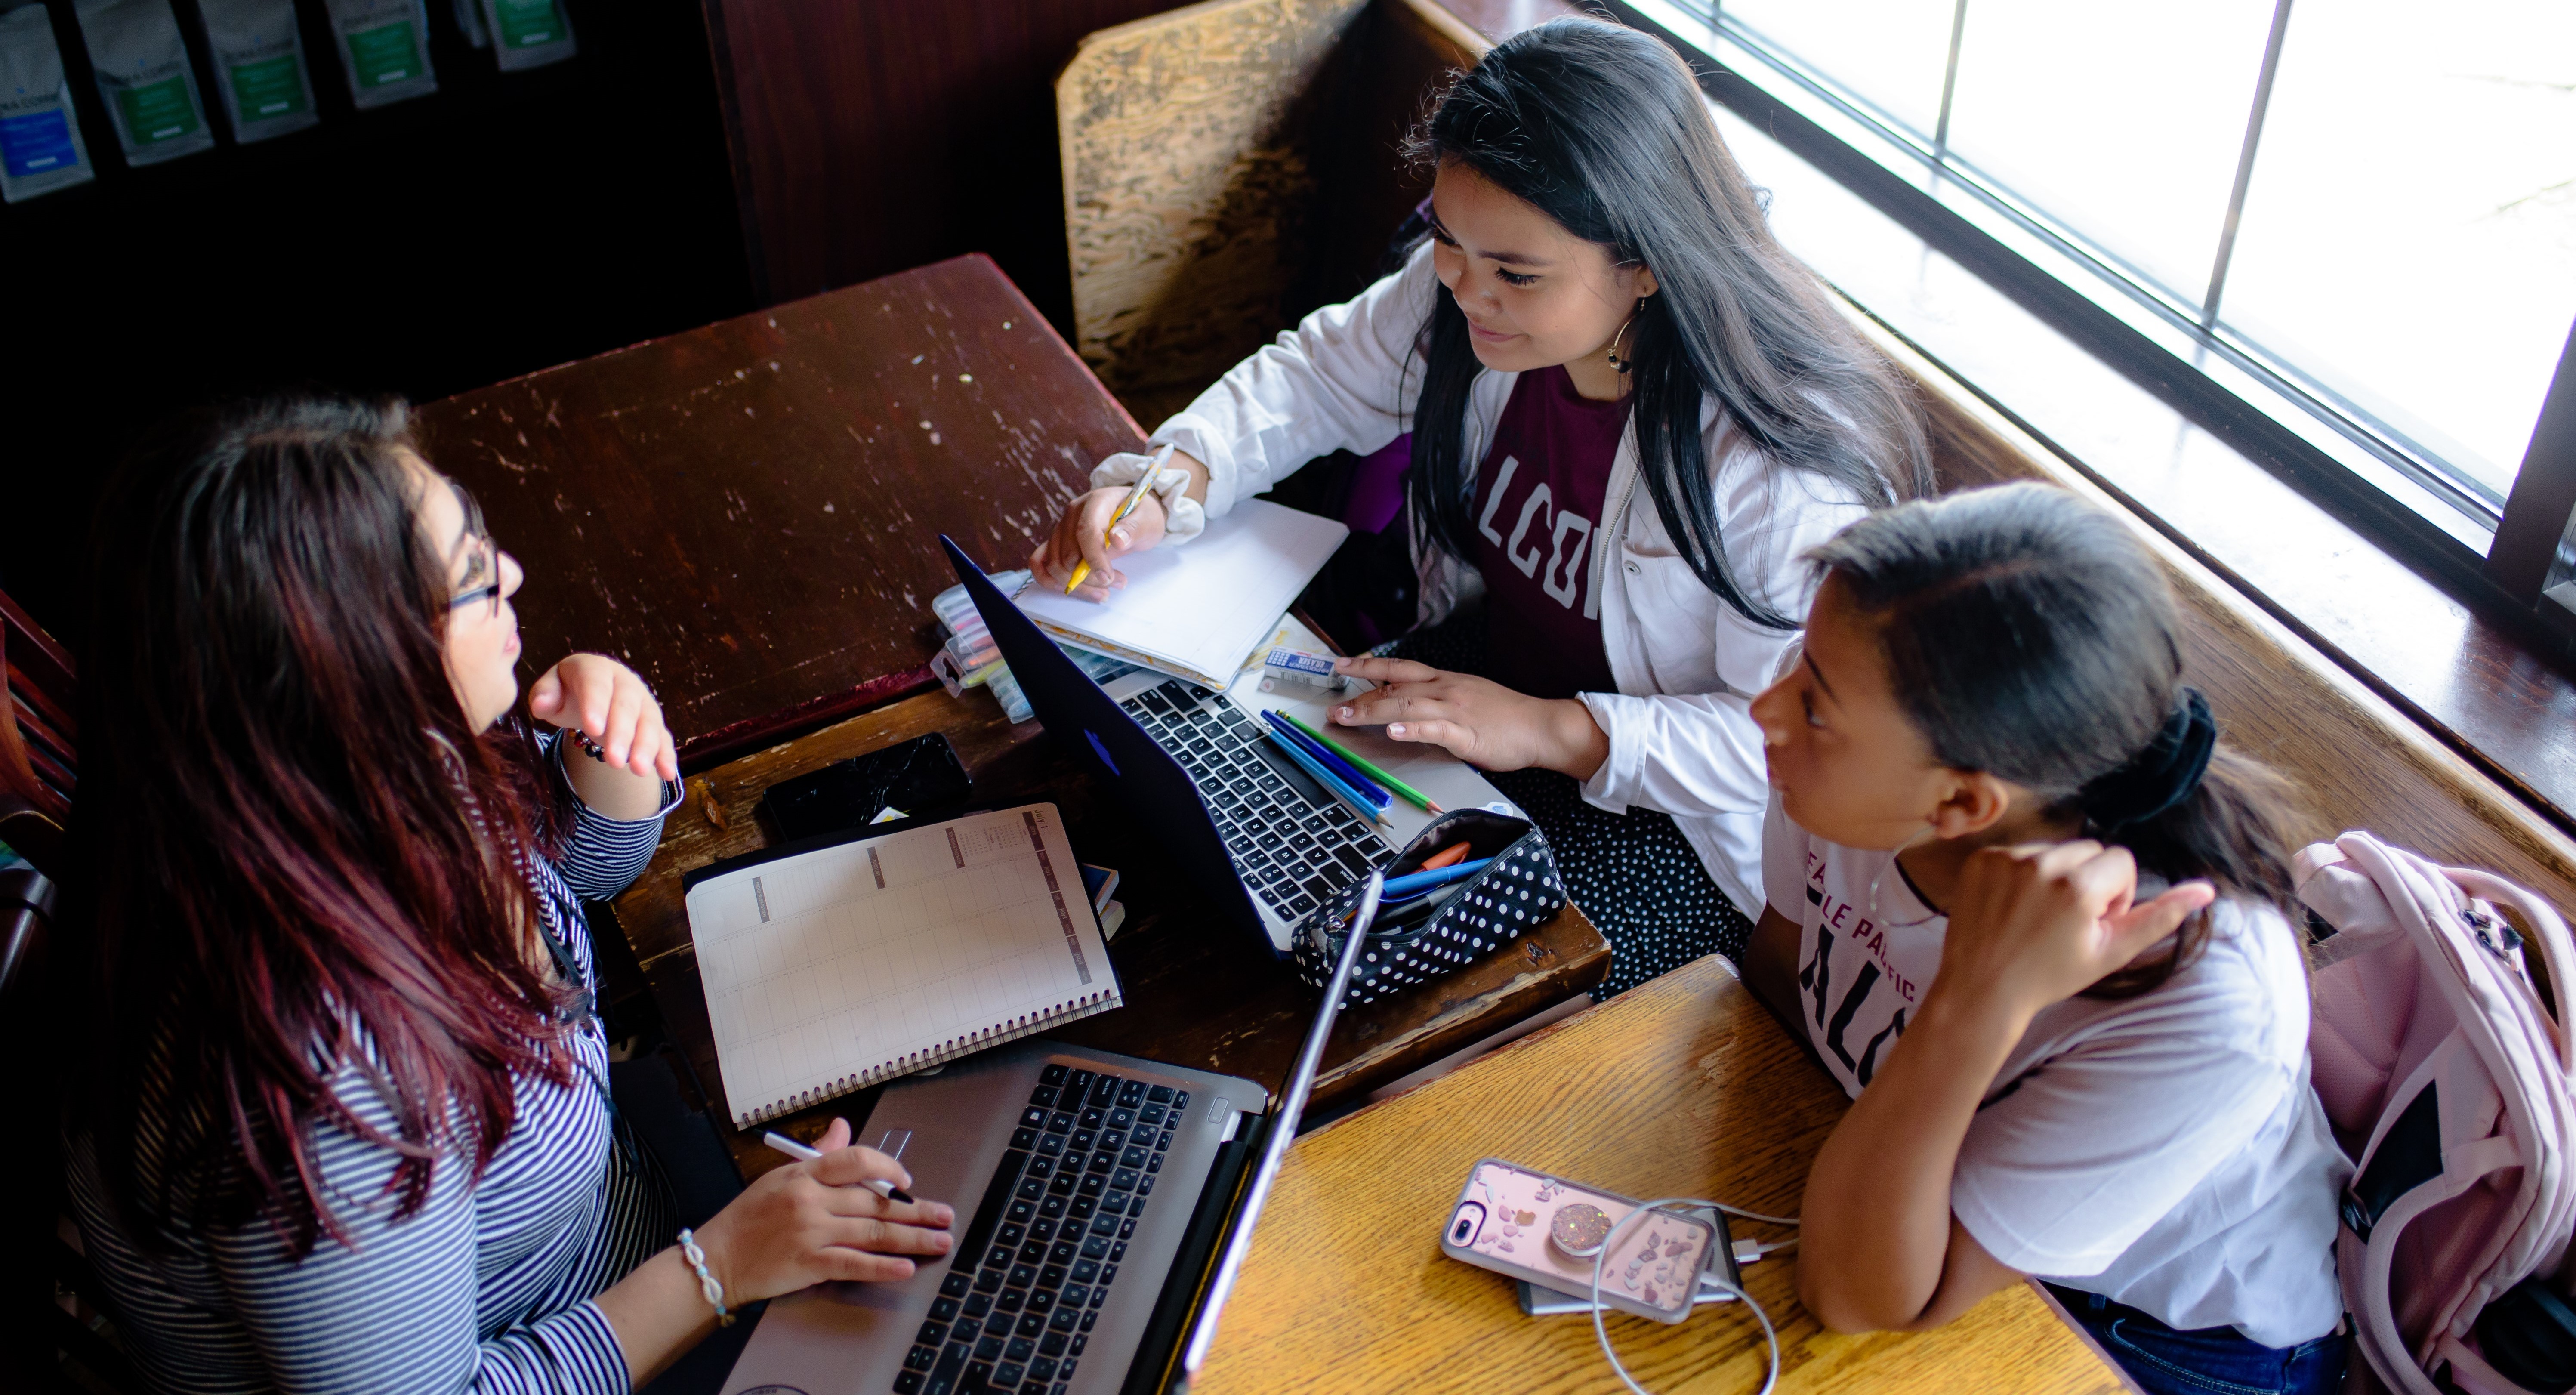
[[1700, 754], [1345, 378]]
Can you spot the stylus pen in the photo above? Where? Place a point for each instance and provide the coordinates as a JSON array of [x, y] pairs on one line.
[[1328, 779], [1329, 761], [801, 1153]]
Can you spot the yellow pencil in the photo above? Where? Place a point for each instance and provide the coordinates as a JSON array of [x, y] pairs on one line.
[[1126, 506]]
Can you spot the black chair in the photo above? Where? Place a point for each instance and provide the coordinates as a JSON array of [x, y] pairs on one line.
[[56, 1331], [37, 770]]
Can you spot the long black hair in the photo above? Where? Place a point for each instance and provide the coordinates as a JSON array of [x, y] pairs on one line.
[[1603, 129], [2030, 635]]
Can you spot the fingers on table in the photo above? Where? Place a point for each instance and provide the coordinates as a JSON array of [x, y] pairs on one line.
[[1390, 707], [1432, 733], [1387, 670]]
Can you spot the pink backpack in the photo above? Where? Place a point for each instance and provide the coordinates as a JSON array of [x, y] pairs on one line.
[[2444, 1075]]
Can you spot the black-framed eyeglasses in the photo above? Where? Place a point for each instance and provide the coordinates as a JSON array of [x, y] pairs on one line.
[[489, 552], [491, 593]]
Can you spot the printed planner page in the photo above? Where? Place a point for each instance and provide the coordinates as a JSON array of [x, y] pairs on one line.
[[833, 969]]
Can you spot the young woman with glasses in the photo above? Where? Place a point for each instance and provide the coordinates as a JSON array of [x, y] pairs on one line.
[[341, 1118]]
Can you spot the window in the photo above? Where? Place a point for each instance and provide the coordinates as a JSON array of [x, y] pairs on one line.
[[2355, 217]]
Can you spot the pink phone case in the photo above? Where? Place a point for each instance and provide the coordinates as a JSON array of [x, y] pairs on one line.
[[1537, 1227]]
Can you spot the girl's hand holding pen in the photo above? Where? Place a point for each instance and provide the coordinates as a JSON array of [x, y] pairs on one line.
[[1083, 533], [812, 1221], [1090, 534], [1475, 719]]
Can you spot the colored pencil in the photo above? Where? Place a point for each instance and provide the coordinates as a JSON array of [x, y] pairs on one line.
[[1327, 778], [1324, 756], [1365, 766]]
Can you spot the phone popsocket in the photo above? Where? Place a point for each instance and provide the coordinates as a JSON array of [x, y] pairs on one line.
[[1604, 1251], [1546, 1230]]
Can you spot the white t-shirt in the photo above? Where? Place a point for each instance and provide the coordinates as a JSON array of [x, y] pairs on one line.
[[2164, 1151]]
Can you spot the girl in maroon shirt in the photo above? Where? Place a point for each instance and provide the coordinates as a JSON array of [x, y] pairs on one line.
[[1632, 412]]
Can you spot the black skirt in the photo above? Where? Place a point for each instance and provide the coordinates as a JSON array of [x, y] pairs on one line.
[[1634, 874]]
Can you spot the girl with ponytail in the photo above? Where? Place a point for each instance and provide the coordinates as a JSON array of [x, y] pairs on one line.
[[2035, 917], [1631, 411]]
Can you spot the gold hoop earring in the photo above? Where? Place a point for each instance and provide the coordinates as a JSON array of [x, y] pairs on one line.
[[1618, 363]]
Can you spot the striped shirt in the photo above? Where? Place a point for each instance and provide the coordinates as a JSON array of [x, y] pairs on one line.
[[487, 1288]]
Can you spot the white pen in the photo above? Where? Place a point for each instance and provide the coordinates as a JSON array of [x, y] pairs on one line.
[[801, 1153]]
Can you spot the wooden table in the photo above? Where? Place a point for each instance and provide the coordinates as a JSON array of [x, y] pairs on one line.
[[750, 510], [1198, 991], [1683, 1087]]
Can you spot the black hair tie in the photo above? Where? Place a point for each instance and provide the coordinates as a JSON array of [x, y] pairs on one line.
[[2159, 777]]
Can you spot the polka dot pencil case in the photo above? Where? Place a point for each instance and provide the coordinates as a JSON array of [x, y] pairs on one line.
[[1420, 938]]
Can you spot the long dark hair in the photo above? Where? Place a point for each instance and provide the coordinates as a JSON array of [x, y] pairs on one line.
[[1603, 129], [2030, 635], [292, 855]]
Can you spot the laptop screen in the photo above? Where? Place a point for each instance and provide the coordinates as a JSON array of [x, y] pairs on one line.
[[1073, 708]]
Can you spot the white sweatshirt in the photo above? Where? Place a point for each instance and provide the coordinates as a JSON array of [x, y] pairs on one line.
[[1682, 737]]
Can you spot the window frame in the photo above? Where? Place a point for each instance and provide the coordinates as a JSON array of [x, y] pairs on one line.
[[2513, 560]]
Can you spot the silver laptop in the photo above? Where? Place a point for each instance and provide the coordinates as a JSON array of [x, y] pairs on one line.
[[1095, 1192]]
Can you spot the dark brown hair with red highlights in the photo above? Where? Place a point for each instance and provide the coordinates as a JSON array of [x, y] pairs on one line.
[[292, 856]]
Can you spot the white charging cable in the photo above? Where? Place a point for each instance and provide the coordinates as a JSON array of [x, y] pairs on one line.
[[1609, 1243]]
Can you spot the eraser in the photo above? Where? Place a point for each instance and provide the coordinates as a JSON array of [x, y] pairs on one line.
[[1297, 666]]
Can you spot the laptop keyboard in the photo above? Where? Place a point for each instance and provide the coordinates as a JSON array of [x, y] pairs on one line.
[[1292, 843], [1025, 1283]]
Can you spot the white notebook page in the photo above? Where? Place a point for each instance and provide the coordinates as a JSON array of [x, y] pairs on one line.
[[830, 969], [1201, 607]]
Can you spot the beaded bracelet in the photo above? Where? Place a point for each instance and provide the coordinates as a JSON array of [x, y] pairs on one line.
[[589, 747], [706, 1282]]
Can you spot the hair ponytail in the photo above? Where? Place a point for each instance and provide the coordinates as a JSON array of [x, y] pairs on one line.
[[2227, 831], [2028, 634]]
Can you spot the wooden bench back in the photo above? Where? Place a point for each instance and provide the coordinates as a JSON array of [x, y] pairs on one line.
[[2352, 760], [1230, 166]]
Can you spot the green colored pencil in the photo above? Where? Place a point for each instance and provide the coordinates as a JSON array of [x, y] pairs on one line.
[[1411, 795]]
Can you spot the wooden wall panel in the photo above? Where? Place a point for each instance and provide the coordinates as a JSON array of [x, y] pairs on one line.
[[2351, 759], [870, 136]]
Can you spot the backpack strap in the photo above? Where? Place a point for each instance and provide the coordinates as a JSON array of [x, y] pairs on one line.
[[2548, 932]]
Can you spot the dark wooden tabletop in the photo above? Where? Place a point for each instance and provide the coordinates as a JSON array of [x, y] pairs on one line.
[[751, 509], [1199, 991]]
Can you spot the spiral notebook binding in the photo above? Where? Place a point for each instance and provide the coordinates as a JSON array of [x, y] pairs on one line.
[[1027, 1024]]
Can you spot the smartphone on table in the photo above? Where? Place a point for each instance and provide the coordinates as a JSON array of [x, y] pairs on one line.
[[1547, 1231]]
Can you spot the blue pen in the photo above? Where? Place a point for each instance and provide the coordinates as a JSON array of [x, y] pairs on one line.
[[1328, 779], [1412, 882], [1366, 786]]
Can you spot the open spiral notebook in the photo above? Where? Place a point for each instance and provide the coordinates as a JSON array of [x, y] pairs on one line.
[[830, 969]]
